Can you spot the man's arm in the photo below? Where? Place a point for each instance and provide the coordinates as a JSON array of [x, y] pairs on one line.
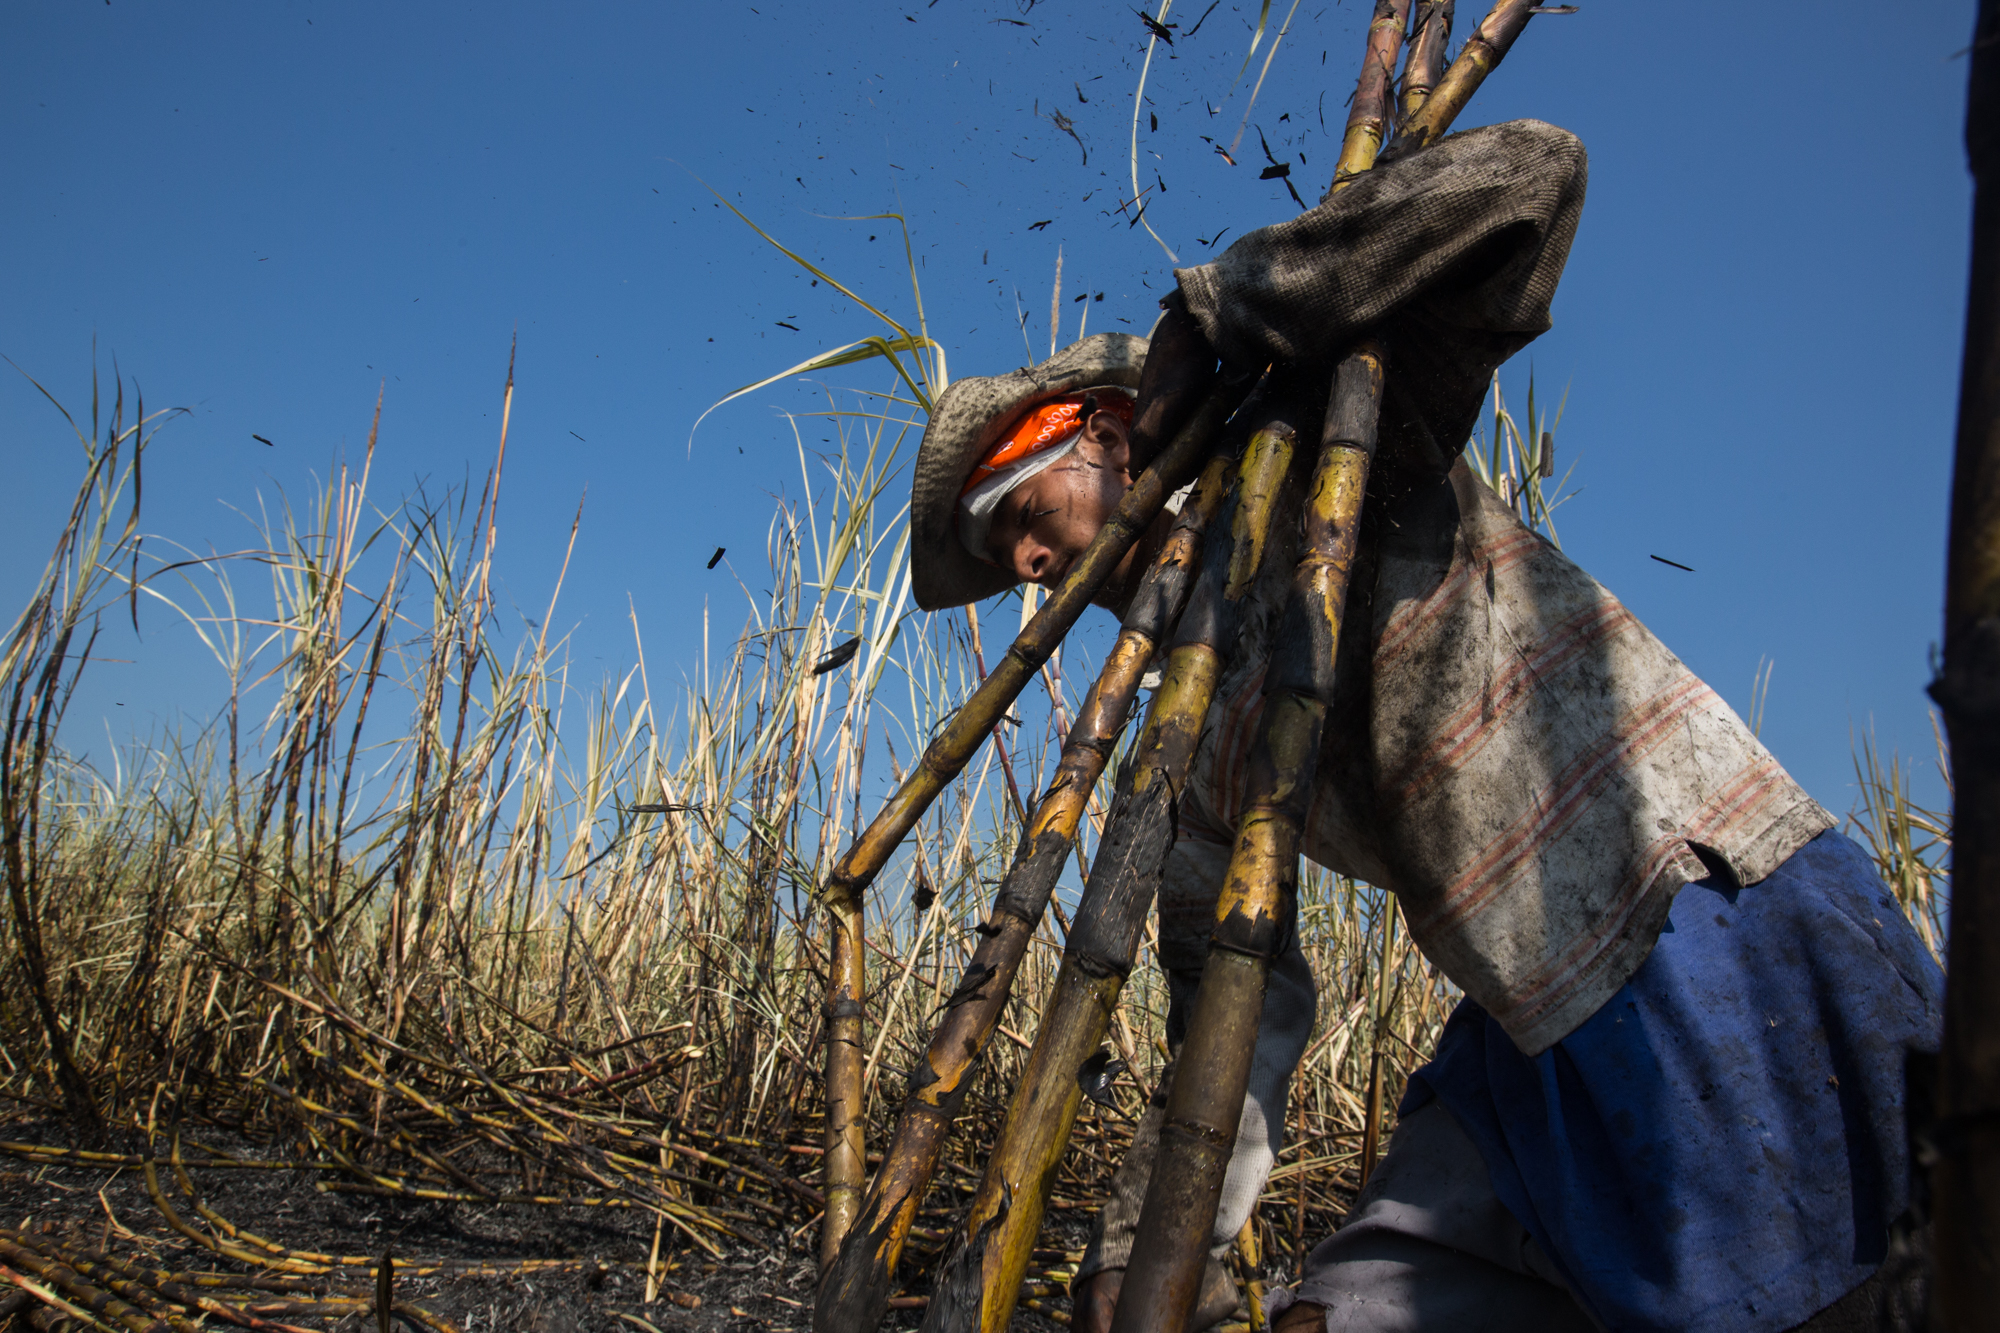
[[1180, 366]]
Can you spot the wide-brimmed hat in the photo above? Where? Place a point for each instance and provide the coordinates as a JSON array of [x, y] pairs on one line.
[[969, 417]]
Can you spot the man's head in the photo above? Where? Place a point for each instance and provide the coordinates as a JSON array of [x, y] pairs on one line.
[[1018, 472], [1036, 499]]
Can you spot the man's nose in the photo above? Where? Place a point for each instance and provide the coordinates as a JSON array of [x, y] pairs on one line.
[[1034, 561]]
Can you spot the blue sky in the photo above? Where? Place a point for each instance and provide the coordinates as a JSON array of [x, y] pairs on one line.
[[268, 212]]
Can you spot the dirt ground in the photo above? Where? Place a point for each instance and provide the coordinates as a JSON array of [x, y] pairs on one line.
[[765, 1282]]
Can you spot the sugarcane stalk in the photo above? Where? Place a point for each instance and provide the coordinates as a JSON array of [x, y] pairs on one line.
[[1425, 63], [943, 759], [1368, 118], [1371, 1128], [1255, 911], [1965, 1142], [1481, 55], [1252, 1256], [1267, 462], [854, 1292], [977, 1286]]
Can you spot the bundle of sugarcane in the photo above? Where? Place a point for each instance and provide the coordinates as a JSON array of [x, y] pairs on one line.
[[978, 1285], [981, 1283], [942, 760], [855, 1289], [1256, 909]]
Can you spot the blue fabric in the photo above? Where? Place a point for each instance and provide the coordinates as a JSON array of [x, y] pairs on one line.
[[1721, 1146]]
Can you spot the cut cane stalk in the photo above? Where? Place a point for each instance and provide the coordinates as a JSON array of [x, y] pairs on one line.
[[978, 1285], [1254, 914], [943, 760], [1266, 464], [1482, 54], [854, 1294], [1368, 119], [1425, 64]]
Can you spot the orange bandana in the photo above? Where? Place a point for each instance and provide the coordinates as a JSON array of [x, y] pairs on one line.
[[1045, 426]]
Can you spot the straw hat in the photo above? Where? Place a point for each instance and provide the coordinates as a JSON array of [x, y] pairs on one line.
[[969, 417]]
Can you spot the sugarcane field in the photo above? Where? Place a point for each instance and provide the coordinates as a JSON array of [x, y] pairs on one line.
[[1249, 666]]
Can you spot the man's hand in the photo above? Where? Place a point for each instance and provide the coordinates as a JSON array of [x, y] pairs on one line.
[[1180, 366]]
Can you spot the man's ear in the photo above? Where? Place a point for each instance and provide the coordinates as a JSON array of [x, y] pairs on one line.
[[1105, 433]]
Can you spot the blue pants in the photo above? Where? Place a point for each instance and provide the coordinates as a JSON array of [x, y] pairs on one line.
[[1721, 1146]]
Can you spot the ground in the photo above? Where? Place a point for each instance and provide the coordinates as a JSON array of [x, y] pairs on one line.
[[761, 1281]]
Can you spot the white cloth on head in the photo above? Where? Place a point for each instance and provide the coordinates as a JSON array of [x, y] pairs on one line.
[[977, 506]]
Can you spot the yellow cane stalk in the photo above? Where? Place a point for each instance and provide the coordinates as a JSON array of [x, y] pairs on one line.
[[1425, 63], [1368, 119]]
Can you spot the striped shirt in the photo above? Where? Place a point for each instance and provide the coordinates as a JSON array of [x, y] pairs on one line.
[[1528, 769]]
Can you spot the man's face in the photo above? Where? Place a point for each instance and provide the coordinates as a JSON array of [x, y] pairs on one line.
[[1045, 523]]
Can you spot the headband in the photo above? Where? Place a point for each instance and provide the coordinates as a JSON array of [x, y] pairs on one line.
[[1044, 435]]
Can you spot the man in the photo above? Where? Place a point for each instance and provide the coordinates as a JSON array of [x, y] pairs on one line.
[[1672, 1098]]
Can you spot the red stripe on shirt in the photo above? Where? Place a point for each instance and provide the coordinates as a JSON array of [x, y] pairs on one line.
[[1397, 632], [1464, 734], [1560, 803]]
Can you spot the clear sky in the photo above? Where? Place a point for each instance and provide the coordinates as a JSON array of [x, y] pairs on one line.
[[267, 212]]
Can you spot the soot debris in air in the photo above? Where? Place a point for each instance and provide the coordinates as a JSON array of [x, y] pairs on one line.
[[260, 439], [1163, 31], [716, 559], [838, 658], [1096, 1074], [1675, 563]]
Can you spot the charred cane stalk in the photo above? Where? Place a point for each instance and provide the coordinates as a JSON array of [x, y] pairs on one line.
[[1254, 914], [854, 1293], [942, 761], [978, 1285]]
